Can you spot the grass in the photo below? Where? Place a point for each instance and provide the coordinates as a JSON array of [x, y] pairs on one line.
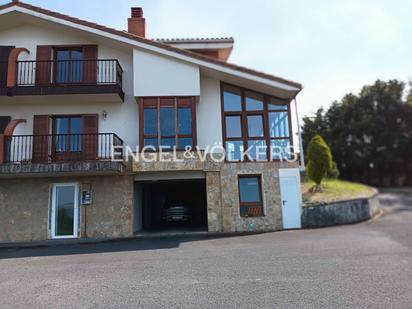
[[334, 190]]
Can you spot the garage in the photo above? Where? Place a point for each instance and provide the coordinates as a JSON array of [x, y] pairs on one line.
[[170, 205]]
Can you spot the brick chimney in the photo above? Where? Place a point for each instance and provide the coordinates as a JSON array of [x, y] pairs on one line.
[[137, 23]]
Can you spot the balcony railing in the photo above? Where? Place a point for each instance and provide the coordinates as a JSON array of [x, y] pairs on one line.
[[69, 72], [60, 148]]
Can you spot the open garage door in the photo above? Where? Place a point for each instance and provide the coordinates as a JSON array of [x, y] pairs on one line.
[[173, 205]]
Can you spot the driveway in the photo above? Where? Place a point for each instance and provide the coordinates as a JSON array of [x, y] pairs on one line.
[[356, 266]]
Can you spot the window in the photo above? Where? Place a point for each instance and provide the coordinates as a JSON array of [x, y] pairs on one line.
[[254, 122], [250, 196], [69, 65], [68, 133], [168, 122]]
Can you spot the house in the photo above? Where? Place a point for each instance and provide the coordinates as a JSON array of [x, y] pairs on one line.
[[106, 133]]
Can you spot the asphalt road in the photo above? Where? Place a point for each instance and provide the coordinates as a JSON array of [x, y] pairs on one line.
[[356, 266]]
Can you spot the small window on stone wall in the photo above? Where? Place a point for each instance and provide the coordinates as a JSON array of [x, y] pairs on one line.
[[250, 196]]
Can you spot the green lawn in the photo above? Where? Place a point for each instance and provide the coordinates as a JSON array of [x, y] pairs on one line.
[[334, 190]]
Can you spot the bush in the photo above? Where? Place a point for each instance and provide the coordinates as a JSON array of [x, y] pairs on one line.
[[319, 159], [333, 173]]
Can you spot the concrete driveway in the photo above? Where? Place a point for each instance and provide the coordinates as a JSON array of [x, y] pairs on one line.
[[357, 266]]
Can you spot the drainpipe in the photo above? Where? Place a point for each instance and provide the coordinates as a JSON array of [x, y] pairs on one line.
[[302, 154]]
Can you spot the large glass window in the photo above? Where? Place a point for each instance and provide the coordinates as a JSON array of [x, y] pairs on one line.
[[253, 124], [250, 196], [168, 122]]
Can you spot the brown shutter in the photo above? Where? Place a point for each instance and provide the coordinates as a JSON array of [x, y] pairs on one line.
[[90, 139], [4, 58], [41, 138], [4, 121], [90, 64], [43, 65]]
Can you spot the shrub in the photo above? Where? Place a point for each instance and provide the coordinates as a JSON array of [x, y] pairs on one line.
[[333, 173], [319, 160]]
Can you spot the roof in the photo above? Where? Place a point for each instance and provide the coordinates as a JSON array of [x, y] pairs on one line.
[[196, 40], [151, 42]]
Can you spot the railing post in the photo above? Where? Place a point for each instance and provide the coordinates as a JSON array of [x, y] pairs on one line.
[[2, 148]]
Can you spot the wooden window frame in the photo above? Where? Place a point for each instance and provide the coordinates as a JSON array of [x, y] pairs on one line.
[[157, 103], [68, 141], [243, 113], [251, 205], [69, 48]]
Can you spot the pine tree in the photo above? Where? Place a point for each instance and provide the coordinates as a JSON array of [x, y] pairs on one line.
[[320, 160]]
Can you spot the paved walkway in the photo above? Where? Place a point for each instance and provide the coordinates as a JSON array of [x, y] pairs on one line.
[[356, 266]]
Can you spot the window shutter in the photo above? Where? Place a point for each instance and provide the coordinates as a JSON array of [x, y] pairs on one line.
[[43, 66], [41, 138], [4, 121], [4, 57], [90, 138], [90, 64]]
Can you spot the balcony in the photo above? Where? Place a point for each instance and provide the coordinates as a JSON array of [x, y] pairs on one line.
[[100, 153], [102, 76]]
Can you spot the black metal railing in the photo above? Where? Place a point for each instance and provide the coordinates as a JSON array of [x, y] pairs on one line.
[[62, 148], [69, 72]]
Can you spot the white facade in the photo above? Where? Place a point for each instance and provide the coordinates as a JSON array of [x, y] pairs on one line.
[[146, 73], [156, 75]]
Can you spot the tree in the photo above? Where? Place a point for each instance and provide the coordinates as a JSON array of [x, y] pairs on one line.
[[319, 160], [369, 134]]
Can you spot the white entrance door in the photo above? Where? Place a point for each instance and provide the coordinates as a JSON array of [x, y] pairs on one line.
[[65, 210], [290, 198]]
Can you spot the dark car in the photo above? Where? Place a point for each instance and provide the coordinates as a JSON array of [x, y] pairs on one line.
[[177, 213]]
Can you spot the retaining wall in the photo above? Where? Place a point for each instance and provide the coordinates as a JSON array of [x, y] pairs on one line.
[[342, 212]]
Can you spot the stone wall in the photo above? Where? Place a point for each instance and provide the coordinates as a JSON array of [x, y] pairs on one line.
[[231, 219], [24, 207], [341, 212], [223, 192]]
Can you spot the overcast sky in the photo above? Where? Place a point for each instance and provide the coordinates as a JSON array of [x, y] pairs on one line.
[[331, 47]]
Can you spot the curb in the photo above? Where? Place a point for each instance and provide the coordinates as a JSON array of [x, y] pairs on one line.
[[75, 242]]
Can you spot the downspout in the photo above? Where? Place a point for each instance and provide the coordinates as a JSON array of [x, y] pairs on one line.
[[302, 154]]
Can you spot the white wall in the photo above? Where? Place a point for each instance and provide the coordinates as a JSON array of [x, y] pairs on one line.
[[122, 117], [208, 113], [156, 75], [176, 78]]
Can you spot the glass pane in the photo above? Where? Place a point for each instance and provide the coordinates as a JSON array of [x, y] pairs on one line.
[[257, 150], [232, 99], [76, 66], [185, 120], [278, 124], [151, 142], [254, 101], [62, 127], [62, 55], [255, 126], [76, 128], [281, 149], [168, 142], [150, 121], [233, 126], [183, 142], [62, 66], [234, 150], [167, 121], [276, 104], [249, 190], [65, 211]]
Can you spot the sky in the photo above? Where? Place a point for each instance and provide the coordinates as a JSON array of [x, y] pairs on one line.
[[331, 47]]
